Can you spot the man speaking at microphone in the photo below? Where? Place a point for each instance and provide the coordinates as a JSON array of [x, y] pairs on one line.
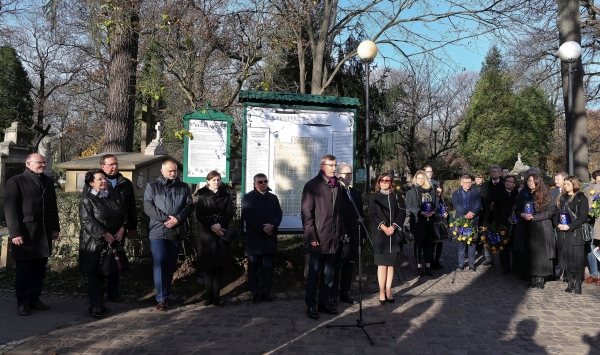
[[322, 210]]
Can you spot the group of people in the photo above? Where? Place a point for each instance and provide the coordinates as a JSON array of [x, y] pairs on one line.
[[548, 228]]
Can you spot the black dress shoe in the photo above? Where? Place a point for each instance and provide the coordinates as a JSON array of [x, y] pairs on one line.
[[257, 298], [267, 297], [421, 272], [312, 313], [541, 283], [428, 271], [389, 300], [103, 308], [24, 310], [96, 312], [327, 309], [382, 302], [39, 305], [347, 299], [333, 302]]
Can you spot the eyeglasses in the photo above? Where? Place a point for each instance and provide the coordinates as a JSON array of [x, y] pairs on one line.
[[113, 164], [385, 180], [260, 182], [345, 173], [331, 165], [39, 162]]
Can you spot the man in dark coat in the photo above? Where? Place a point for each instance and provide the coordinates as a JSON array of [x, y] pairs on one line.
[[123, 188], [262, 215], [490, 190], [323, 225], [503, 211], [467, 204], [348, 251], [168, 203], [32, 217]]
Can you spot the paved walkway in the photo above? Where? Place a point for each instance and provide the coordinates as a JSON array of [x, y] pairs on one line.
[[454, 313]]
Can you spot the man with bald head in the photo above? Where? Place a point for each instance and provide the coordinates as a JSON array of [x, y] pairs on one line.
[[168, 203], [32, 218]]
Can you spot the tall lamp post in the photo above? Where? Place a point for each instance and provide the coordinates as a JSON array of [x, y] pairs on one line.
[[367, 51], [569, 53], [435, 129]]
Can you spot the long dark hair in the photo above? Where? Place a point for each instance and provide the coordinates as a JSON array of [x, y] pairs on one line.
[[541, 197]]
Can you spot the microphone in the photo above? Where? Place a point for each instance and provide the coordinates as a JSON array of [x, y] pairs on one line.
[[346, 182]]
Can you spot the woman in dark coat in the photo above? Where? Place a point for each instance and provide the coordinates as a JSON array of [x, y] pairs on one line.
[[421, 222], [103, 222], [569, 236], [438, 245], [534, 235], [387, 211], [214, 211]]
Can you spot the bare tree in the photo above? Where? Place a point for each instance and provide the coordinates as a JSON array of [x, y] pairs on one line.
[[317, 25]]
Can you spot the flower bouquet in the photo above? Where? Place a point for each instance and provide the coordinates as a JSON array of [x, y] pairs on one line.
[[496, 237], [462, 229], [594, 211]]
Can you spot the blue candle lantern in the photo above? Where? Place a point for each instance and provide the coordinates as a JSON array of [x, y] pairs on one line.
[[514, 219], [564, 218], [529, 207], [427, 206], [442, 209]]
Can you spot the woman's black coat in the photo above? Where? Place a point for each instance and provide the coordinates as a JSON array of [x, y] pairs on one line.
[[414, 204], [213, 208], [98, 216], [579, 206], [541, 224], [386, 209]]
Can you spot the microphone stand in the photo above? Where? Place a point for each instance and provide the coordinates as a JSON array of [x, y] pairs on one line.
[[359, 322]]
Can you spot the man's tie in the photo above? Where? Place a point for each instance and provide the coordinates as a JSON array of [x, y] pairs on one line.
[[495, 183]]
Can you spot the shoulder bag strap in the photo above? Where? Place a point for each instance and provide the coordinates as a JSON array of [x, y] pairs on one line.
[[211, 210]]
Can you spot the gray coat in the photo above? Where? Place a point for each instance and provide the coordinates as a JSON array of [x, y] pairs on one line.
[[163, 198]]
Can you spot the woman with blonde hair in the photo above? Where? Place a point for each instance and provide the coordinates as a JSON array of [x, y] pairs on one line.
[[387, 211], [569, 235], [422, 202]]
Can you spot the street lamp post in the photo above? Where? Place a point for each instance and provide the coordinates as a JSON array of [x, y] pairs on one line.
[[367, 51], [569, 53], [435, 129]]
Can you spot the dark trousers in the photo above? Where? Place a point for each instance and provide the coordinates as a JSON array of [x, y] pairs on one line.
[[212, 281], [112, 285], [342, 279], [164, 253], [315, 263], [96, 289], [29, 279], [424, 248], [254, 264], [438, 247], [462, 246]]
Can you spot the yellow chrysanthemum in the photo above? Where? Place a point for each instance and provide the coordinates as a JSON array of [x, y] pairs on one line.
[[502, 232], [592, 192], [484, 228], [465, 225], [594, 205], [469, 242], [483, 237], [451, 225], [454, 233], [501, 248]]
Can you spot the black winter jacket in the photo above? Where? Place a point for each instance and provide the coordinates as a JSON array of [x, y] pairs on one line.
[[213, 252], [163, 198], [322, 215], [579, 206], [257, 210], [31, 212], [98, 216]]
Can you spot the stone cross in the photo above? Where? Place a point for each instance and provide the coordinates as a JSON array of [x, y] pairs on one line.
[[159, 129]]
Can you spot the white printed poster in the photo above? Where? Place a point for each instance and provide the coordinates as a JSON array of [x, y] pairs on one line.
[[287, 145], [208, 150]]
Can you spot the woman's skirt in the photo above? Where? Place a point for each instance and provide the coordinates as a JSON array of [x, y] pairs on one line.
[[388, 259]]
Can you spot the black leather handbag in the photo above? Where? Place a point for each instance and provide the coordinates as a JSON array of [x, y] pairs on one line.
[[112, 259]]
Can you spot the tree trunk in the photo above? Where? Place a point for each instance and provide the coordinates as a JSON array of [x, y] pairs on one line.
[[118, 128], [569, 29]]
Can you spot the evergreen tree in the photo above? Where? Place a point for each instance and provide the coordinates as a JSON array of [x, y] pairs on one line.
[[16, 103], [500, 123]]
